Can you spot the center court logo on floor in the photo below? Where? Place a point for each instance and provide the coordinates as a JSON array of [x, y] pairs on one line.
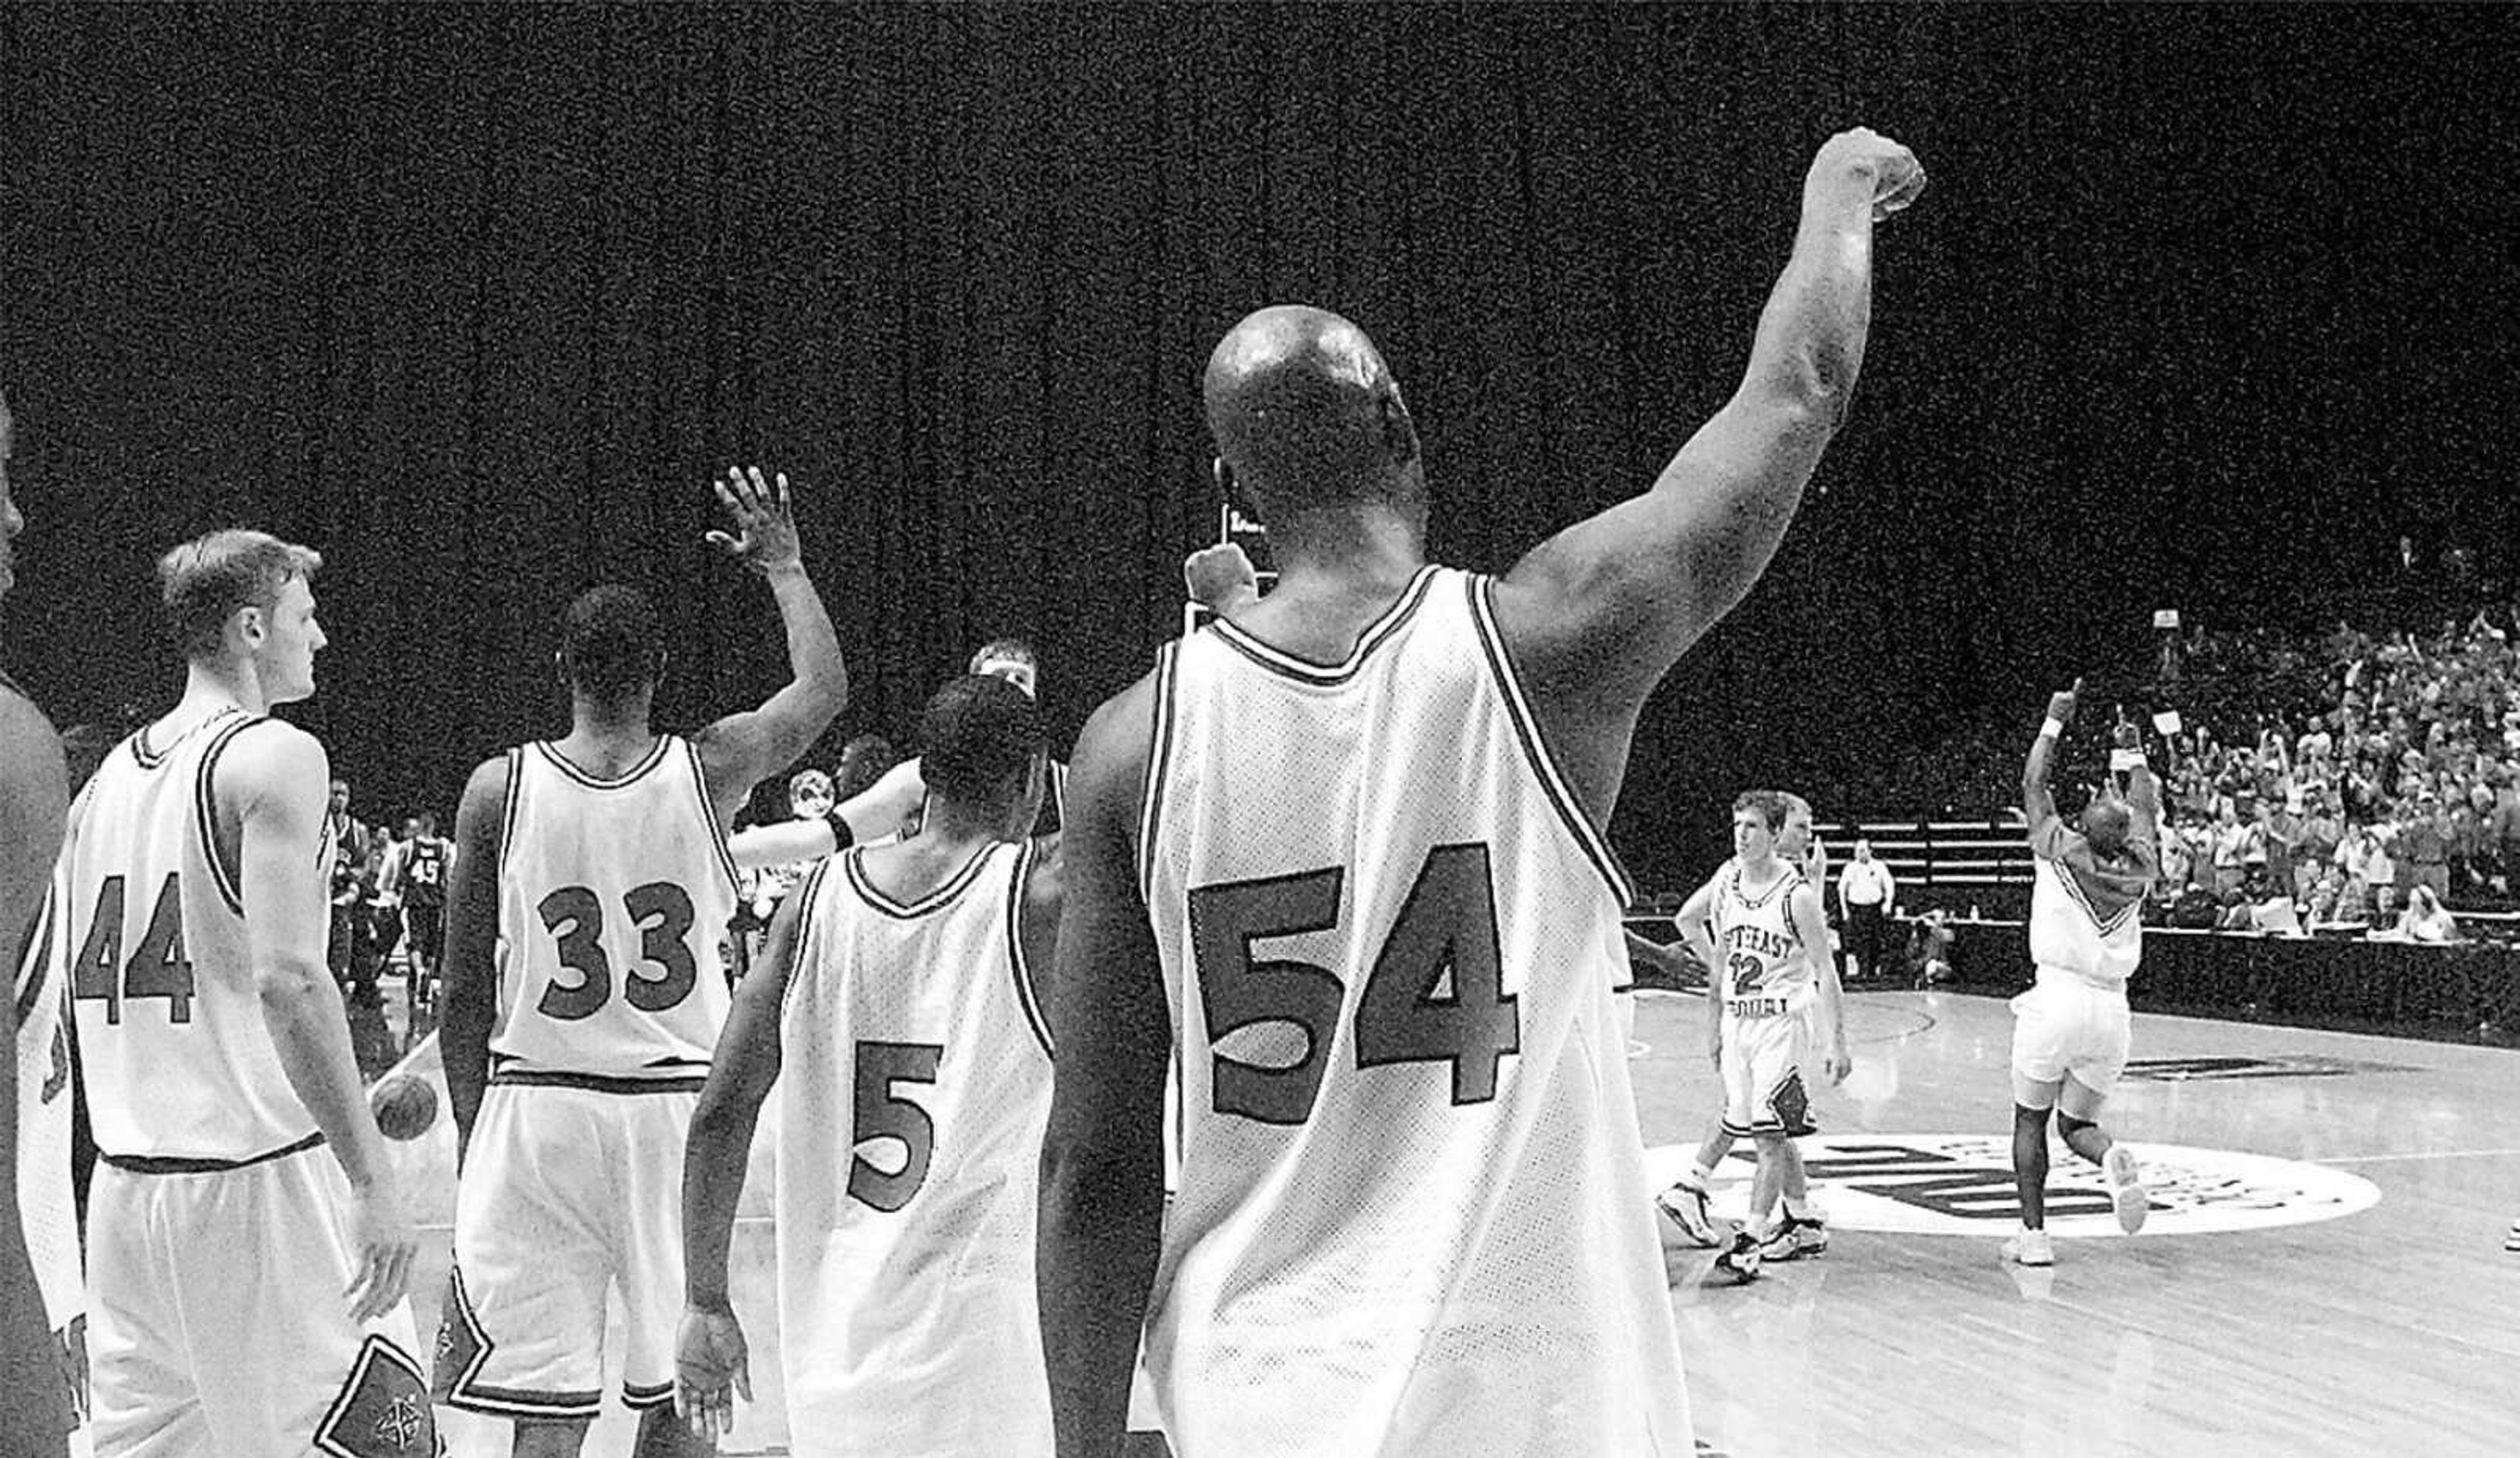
[[1962, 1184]]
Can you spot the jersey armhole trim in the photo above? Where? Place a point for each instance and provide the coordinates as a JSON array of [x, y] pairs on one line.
[[709, 817], [1025, 993], [508, 809], [810, 892], [1526, 727], [1159, 753], [227, 878]]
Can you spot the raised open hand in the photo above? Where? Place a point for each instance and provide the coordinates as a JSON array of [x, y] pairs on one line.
[[764, 538]]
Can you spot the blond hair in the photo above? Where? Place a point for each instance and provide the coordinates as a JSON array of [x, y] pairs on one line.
[[206, 581]]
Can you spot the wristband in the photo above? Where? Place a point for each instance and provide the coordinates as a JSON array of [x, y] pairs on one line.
[[2051, 728], [842, 837]]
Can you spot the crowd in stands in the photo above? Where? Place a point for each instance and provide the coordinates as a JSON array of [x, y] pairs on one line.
[[2375, 780]]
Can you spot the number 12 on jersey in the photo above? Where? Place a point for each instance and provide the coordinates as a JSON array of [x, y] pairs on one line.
[[1406, 1014]]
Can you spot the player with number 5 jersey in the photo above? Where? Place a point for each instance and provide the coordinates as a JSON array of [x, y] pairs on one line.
[[894, 1009], [1340, 860], [585, 988]]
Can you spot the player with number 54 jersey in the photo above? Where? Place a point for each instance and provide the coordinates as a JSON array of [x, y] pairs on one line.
[[1339, 864]]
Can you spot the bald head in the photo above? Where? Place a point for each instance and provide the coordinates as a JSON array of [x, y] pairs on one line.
[[1306, 414], [2106, 825]]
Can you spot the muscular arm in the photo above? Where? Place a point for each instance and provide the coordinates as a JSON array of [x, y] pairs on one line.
[[270, 786], [1596, 615], [271, 783], [34, 795], [740, 1074], [1102, 1162], [738, 751], [2036, 803], [872, 814], [469, 968]]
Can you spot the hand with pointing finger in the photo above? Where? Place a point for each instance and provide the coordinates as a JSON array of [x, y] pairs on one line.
[[2060, 706], [764, 538]]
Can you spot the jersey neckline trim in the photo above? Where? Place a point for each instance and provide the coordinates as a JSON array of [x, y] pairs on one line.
[[1303, 669], [147, 758], [1792, 874], [564, 764], [854, 865]]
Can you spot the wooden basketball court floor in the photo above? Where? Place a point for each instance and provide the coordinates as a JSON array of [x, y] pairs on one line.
[[2324, 1273]]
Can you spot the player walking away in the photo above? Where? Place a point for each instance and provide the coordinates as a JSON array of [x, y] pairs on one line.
[[1803, 1232], [896, 1013], [43, 1361], [417, 878], [597, 867], [2070, 1031], [248, 1247], [1776, 999], [1338, 862]]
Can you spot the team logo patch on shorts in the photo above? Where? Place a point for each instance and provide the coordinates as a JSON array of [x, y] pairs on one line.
[[1962, 1184], [1792, 1103], [462, 1348], [384, 1409]]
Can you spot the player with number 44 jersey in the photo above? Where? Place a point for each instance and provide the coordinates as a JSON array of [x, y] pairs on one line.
[[586, 986]]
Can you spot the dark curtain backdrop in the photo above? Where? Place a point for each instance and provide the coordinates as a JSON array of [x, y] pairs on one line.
[[2205, 307]]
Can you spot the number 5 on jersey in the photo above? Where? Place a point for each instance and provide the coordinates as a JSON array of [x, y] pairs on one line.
[[1406, 1013]]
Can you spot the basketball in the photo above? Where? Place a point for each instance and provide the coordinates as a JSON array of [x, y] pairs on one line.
[[405, 1105]]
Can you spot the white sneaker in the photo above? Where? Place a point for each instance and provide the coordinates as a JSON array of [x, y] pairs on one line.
[[2031, 1248], [1685, 1204], [2125, 1189]]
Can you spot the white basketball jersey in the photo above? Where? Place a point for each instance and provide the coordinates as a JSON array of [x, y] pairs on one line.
[[1767, 970], [2071, 932], [915, 1083], [45, 1206], [1412, 1215], [615, 896], [176, 1059]]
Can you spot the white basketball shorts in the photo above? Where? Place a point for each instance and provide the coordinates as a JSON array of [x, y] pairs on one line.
[[1763, 1088], [217, 1324], [2068, 1025], [568, 1187]]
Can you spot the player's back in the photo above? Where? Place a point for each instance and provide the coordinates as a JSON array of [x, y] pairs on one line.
[[908, 1317], [176, 1058], [423, 873], [1412, 1215], [2085, 918], [614, 896]]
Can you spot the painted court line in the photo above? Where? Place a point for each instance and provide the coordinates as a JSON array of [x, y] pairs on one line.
[[2430, 1154]]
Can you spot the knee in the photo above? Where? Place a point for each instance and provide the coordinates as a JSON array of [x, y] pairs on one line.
[[2025, 1116]]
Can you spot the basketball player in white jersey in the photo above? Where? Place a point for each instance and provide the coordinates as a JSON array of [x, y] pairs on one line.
[[247, 1246], [43, 1368], [1774, 1000], [1339, 861], [586, 983], [1781, 1171], [895, 1012], [2070, 1031]]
